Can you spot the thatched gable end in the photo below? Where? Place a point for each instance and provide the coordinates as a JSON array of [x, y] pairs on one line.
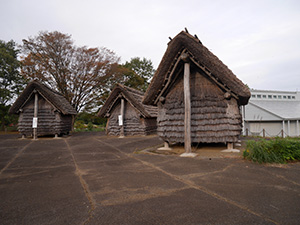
[[55, 98], [138, 119], [133, 96], [202, 58]]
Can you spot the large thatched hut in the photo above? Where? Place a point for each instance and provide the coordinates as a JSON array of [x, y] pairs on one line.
[[42, 111], [198, 97], [126, 114]]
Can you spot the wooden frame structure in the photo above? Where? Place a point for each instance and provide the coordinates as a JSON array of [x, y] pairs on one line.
[[198, 97], [42, 111], [126, 114]]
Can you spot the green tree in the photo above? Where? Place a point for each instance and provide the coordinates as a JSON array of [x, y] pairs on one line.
[[135, 74], [143, 72], [121, 75], [11, 82]]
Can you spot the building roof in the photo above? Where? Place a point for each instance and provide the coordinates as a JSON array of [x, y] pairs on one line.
[[55, 98], [133, 96], [283, 109], [272, 91], [202, 58]]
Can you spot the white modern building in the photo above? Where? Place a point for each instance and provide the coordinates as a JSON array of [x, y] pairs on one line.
[[272, 113]]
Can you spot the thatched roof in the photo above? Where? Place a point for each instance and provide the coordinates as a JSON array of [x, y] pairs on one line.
[[134, 97], [200, 57], [55, 98]]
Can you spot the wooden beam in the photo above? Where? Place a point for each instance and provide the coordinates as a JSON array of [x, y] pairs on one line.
[[170, 74], [215, 79], [187, 108], [122, 115], [35, 114]]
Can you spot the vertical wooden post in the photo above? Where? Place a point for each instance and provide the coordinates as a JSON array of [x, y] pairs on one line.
[[247, 132], [166, 146], [297, 127], [35, 113], [264, 132], [229, 145], [282, 131], [243, 117], [187, 108], [122, 114], [288, 128]]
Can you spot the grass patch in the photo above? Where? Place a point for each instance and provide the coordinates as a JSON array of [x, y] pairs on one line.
[[278, 150]]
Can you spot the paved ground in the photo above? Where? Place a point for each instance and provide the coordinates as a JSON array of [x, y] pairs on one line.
[[89, 178]]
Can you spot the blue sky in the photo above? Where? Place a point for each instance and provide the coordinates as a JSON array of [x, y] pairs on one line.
[[259, 40]]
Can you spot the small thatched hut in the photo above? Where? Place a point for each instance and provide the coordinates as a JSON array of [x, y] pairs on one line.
[[42, 111], [198, 97], [126, 114]]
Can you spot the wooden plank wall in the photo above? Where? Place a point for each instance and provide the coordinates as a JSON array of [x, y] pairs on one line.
[[214, 119]]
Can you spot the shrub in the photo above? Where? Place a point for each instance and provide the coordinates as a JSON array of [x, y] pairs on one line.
[[78, 125], [90, 126], [278, 150]]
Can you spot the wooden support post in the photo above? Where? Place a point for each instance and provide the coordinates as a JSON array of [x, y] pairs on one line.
[[247, 132], [297, 128], [229, 145], [243, 118], [187, 108], [282, 131], [230, 148], [264, 132], [35, 113], [166, 147], [122, 115], [288, 128]]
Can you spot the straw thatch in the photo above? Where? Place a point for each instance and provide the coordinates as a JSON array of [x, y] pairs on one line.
[[139, 119], [216, 94], [205, 59]]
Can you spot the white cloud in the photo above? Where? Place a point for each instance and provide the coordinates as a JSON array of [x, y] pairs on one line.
[[251, 37]]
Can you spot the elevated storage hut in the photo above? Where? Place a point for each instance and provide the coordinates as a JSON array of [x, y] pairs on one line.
[[198, 97], [126, 114], [42, 111]]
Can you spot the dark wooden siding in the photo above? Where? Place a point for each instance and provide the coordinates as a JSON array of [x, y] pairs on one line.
[[150, 125], [134, 124], [214, 119], [50, 122]]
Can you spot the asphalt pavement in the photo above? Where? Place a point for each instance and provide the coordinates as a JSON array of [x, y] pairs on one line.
[[89, 178]]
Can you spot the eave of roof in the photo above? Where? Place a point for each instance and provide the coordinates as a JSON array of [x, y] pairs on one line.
[[287, 110]]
